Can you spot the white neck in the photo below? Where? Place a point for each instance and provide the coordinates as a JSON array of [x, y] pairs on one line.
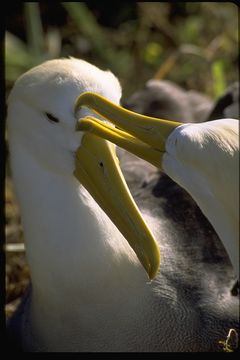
[[72, 249]]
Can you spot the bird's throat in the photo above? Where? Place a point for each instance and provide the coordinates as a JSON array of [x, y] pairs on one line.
[[66, 232]]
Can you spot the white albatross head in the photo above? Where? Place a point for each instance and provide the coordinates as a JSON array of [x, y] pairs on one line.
[[42, 125], [41, 109]]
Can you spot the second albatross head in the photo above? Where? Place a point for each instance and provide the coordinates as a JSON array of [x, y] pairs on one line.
[[202, 158]]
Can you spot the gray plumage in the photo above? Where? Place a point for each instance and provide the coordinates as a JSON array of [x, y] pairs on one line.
[[167, 100]]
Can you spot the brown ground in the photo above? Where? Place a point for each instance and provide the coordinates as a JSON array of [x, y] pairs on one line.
[[17, 272]]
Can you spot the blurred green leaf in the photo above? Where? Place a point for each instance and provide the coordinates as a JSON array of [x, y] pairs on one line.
[[219, 83], [87, 24], [190, 30], [34, 30], [152, 52], [17, 57]]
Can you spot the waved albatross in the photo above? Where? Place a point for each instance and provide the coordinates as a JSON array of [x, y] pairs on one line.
[[89, 291], [203, 158]]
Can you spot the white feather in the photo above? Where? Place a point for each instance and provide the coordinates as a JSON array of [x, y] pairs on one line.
[[204, 159]]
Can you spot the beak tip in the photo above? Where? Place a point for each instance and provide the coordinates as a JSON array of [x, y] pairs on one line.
[[152, 266], [152, 273]]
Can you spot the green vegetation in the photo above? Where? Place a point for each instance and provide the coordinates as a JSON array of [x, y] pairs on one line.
[[193, 44]]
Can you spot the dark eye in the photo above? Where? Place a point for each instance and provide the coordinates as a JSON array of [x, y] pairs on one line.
[[52, 118]]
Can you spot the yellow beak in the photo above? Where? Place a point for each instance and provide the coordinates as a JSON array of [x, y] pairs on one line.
[[97, 169], [142, 135]]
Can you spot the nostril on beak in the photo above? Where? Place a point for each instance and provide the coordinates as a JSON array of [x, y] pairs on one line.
[[127, 105], [132, 107]]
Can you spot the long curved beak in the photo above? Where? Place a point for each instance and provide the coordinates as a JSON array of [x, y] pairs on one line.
[[97, 169], [142, 135]]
